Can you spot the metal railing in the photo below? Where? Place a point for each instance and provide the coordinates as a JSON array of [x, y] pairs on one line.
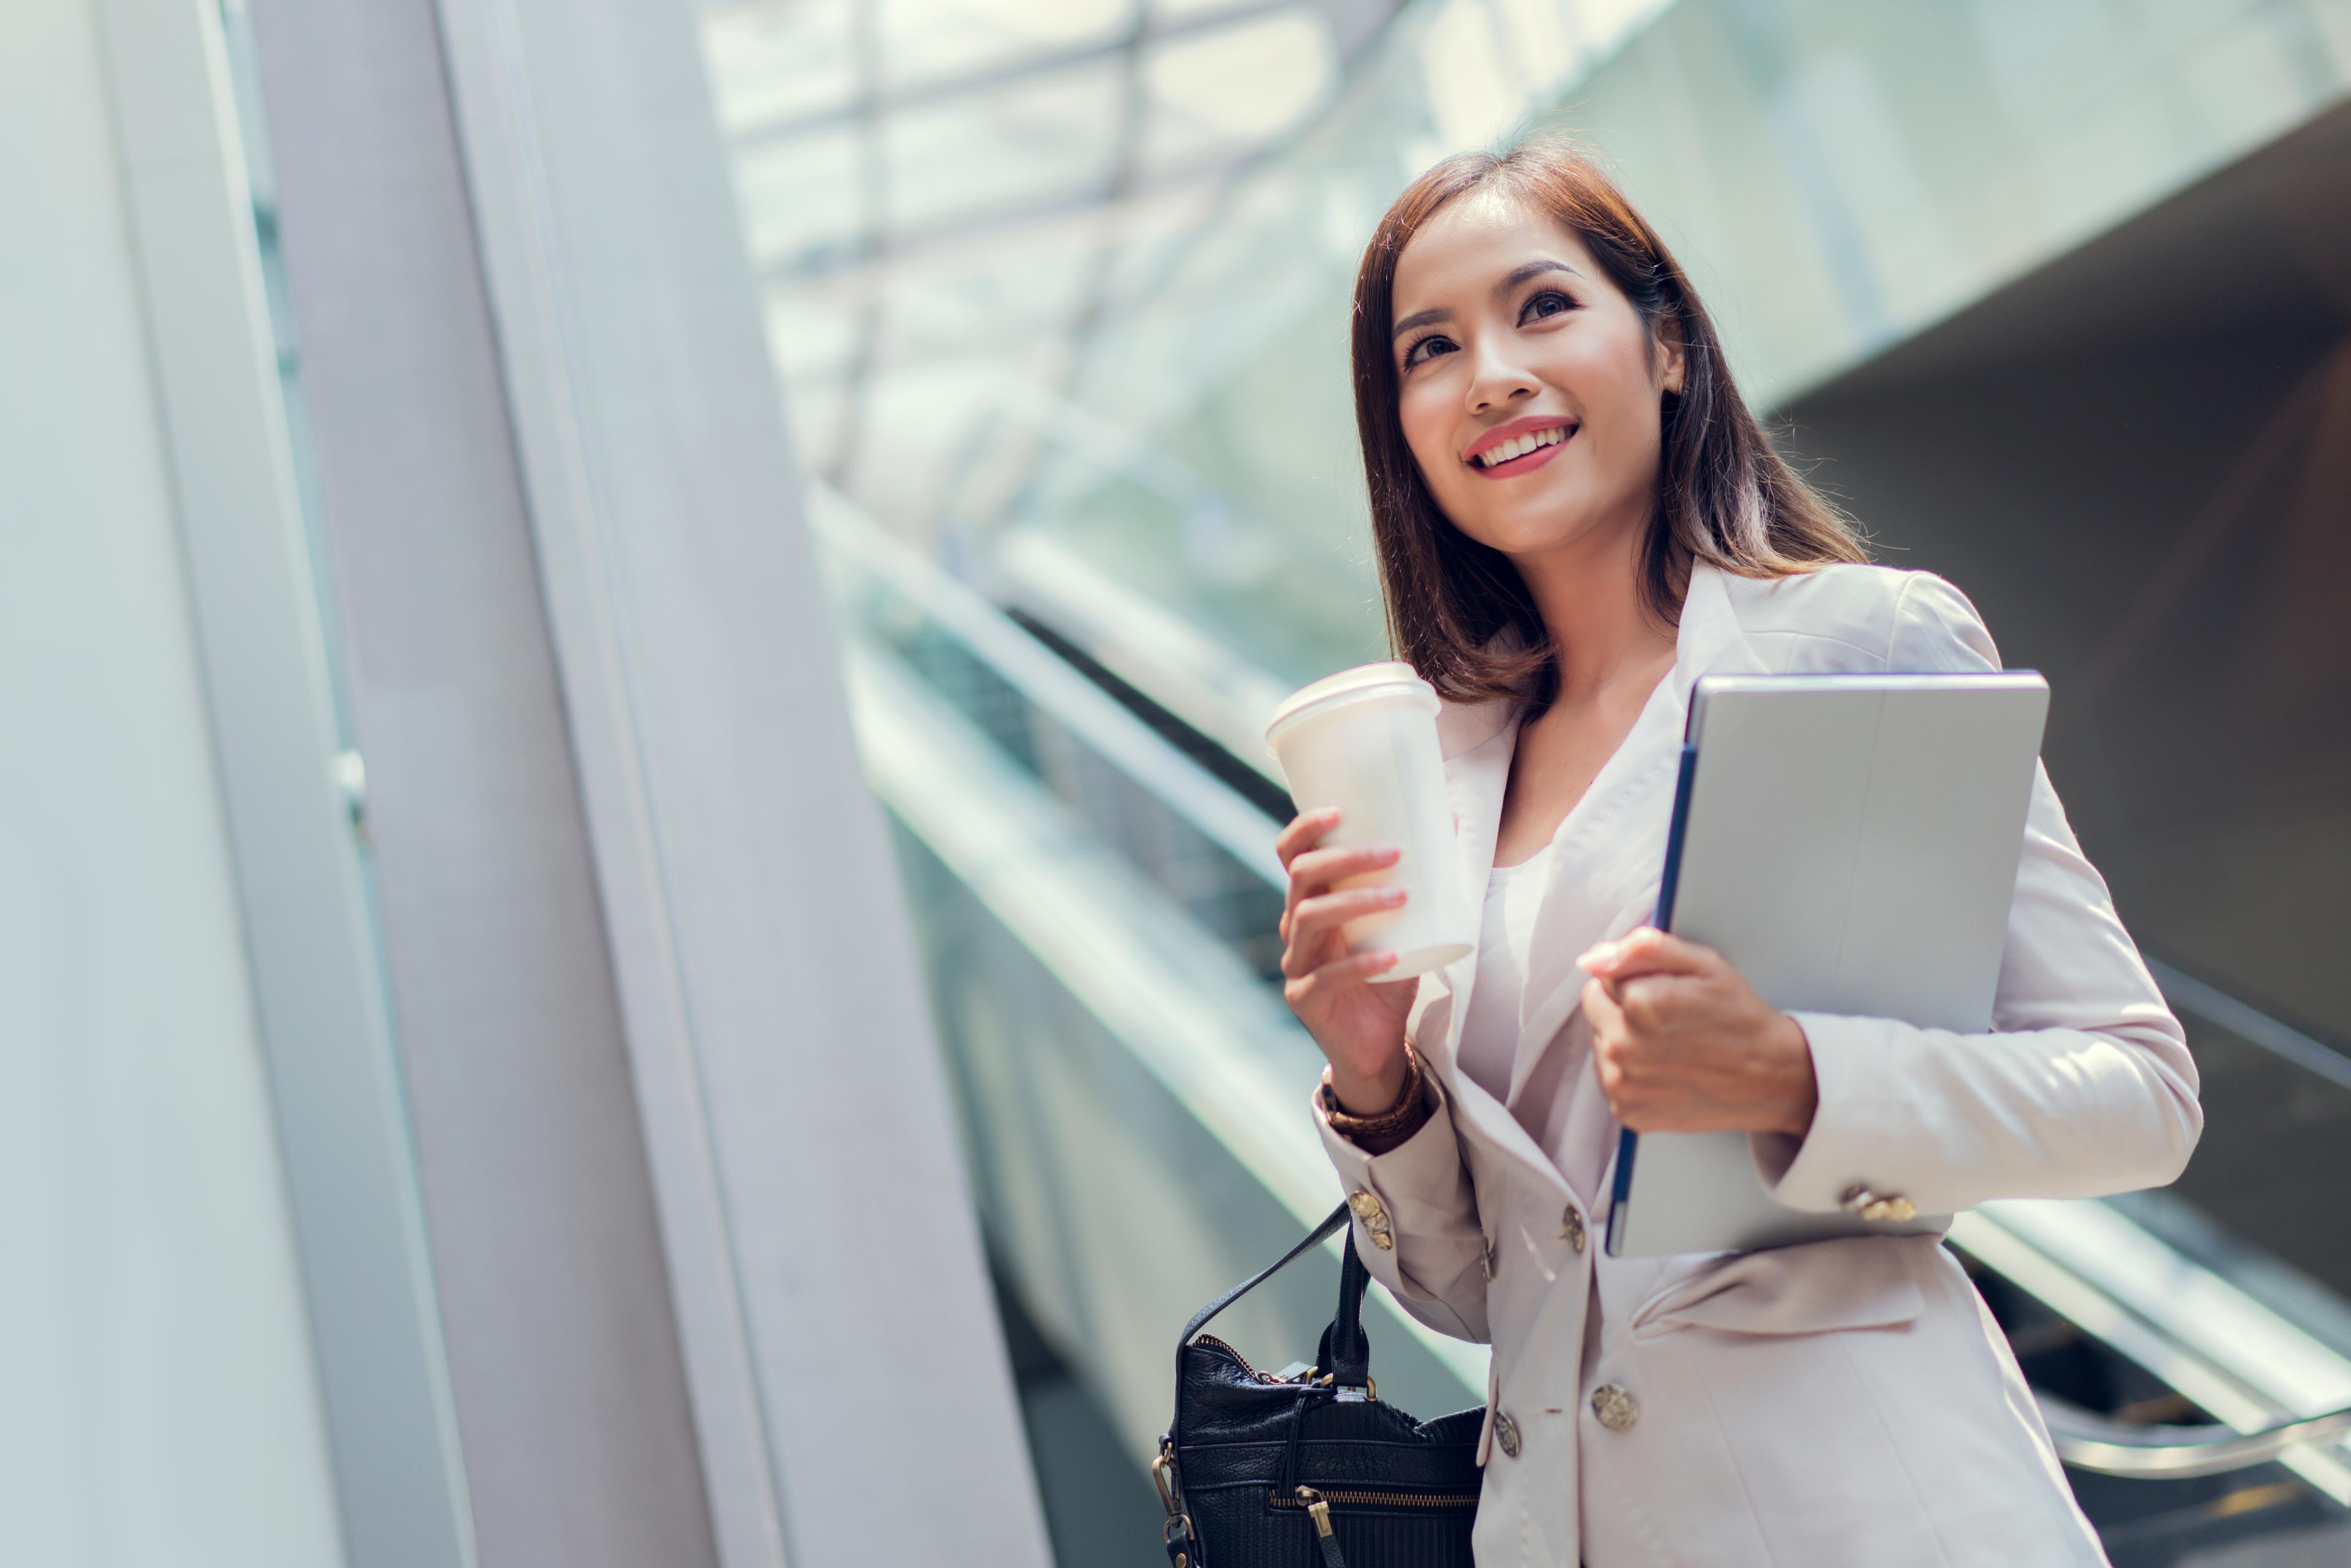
[[2089, 1441]]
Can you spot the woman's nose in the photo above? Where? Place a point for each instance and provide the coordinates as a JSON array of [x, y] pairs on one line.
[[1495, 380]]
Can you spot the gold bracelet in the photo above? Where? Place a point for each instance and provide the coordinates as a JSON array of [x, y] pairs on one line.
[[1410, 1108]]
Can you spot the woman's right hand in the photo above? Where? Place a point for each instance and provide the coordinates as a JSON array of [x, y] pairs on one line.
[[1358, 1024]]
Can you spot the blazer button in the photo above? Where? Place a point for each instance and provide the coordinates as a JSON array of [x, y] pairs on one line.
[[1891, 1206], [1616, 1407], [1506, 1433], [1572, 1232], [1367, 1208]]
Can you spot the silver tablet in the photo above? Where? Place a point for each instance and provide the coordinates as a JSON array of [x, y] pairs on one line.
[[1850, 843]]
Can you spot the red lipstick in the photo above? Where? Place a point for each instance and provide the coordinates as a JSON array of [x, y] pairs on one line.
[[1525, 461]]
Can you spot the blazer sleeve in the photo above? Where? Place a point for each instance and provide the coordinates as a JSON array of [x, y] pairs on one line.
[[2084, 1087], [1435, 1263]]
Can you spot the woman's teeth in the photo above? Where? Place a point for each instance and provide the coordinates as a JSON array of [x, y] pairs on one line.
[[1521, 446]]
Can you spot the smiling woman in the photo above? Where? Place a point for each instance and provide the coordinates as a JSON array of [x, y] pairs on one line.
[[1595, 330], [1578, 518]]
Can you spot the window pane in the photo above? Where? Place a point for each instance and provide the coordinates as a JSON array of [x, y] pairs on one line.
[[1216, 93], [1001, 291], [931, 41], [773, 61], [803, 200], [1020, 146]]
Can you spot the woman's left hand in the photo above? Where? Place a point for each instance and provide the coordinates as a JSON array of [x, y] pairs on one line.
[[1683, 1043]]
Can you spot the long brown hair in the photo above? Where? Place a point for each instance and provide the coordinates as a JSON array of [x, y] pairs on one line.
[[1725, 495]]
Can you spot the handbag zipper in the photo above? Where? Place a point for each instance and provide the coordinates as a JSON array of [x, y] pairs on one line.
[[1374, 1498], [1317, 1505], [1265, 1378], [1325, 1537]]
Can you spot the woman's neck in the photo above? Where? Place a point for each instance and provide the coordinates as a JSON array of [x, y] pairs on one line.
[[1590, 598]]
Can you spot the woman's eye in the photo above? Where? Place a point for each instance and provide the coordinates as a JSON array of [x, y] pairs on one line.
[[1547, 303], [1426, 348]]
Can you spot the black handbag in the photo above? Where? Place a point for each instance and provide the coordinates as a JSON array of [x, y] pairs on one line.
[[1307, 1468]]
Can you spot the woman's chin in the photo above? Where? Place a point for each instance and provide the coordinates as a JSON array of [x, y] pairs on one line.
[[1532, 530], [1559, 519]]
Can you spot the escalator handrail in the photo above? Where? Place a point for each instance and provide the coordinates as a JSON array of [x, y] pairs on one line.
[[1194, 796], [2249, 1023], [2089, 1441]]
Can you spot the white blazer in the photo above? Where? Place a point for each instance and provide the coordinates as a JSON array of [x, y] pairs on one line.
[[1847, 1402]]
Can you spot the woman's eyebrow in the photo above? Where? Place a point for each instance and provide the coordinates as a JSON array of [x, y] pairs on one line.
[[1527, 269], [1418, 319]]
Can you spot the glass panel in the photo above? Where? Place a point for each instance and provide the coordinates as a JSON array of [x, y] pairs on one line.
[[921, 427], [999, 290], [1216, 93], [819, 408], [813, 326], [1164, 12], [778, 61], [1017, 147], [1156, 232], [930, 41], [804, 199], [2271, 1159]]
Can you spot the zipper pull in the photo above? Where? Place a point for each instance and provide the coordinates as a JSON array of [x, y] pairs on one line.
[[1321, 1512]]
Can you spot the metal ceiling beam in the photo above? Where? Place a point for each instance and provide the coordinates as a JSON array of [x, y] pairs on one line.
[[833, 264], [877, 237], [925, 95], [876, 245]]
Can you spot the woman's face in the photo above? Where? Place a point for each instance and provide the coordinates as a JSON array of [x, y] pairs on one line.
[[1527, 386]]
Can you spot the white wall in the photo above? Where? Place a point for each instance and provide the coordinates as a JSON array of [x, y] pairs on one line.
[[158, 1404]]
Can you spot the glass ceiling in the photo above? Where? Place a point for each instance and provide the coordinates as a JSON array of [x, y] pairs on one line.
[[947, 196]]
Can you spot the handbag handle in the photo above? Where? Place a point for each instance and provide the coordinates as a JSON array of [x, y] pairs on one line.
[[1345, 1353], [1314, 1237]]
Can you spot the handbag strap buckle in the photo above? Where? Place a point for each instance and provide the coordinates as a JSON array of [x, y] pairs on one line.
[[1163, 1476]]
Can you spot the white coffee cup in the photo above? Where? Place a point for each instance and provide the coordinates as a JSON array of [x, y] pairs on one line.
[[1365, 740]]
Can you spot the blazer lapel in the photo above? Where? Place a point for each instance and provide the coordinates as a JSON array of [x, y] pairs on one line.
[[1610, 852]]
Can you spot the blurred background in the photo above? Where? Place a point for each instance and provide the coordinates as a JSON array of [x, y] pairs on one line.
[[636, 905]]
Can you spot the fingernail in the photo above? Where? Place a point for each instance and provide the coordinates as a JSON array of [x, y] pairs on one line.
[[1390, 895]]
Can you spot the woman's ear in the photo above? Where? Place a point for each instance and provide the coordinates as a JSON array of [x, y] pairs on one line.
[[1669, 349]]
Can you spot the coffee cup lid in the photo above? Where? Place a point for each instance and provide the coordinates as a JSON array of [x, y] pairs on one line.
[[1386, 678]]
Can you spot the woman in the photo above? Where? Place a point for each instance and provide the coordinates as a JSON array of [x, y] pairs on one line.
[[1576, 517]]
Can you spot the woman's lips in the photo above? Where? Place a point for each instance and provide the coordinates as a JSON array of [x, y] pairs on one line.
[[1527, 463]]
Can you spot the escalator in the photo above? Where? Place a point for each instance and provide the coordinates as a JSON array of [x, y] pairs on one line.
[[1095, 885]]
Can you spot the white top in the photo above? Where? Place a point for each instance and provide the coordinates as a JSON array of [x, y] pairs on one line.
[[1489, 1037]]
